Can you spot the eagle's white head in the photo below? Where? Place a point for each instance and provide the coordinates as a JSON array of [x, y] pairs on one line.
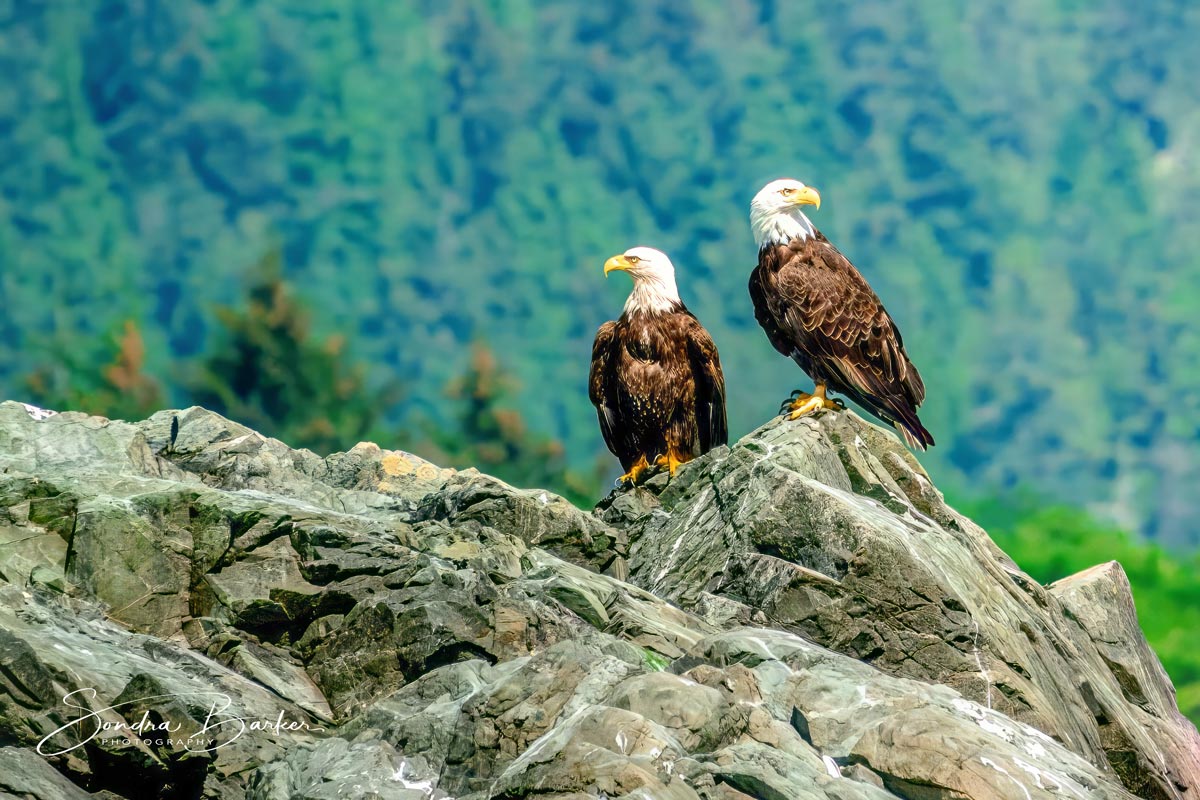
[[775, 214], [653, 275]]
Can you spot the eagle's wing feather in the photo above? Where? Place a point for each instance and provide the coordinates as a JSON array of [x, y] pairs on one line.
[[601, 387], [764, 313], [710, 387], [840, 322]]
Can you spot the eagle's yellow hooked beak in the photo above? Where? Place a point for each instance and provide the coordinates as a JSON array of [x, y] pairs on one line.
[[616, 263], [808, 196]]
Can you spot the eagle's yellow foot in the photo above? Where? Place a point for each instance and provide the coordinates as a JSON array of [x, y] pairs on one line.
[[807, 404], [671, 461], [794, 400], [635, 472]]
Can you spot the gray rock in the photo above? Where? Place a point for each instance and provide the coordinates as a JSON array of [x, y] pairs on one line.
[[338, 770], [832, 530], [1100, 601], [24, 774], [806, 618]]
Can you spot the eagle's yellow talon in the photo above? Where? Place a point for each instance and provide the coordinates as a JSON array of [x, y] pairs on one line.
[[807, 404], [794, 401], [635, 472], [672, 460]]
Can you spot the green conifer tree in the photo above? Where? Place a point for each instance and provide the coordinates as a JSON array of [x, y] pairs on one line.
[[108, 379], [269, 372], [491, 434]]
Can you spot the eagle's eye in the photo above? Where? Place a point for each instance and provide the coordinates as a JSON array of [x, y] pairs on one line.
[[633, 259], [787, 191]]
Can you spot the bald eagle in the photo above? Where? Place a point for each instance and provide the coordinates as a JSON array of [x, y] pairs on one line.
[[818, 310], [656, 378]]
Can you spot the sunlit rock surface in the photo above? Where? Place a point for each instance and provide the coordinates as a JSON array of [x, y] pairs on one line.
[[798, 616]]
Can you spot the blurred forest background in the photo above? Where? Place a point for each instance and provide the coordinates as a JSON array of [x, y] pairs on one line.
[[312, 216]]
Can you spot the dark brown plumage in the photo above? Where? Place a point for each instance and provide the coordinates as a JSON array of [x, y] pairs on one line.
[[817, 309], [656, 382]]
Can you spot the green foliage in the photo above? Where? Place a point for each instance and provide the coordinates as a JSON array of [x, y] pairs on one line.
[[268, 371], [654, 661], [489, 433], [107, 379], [1051, 542]]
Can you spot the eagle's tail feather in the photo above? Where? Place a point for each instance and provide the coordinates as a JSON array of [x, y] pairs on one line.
[[896, 412], [915, 434]]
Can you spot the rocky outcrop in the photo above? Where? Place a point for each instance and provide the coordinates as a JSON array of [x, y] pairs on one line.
[[190, 609], [832, 530]]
